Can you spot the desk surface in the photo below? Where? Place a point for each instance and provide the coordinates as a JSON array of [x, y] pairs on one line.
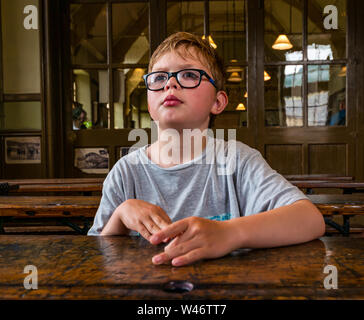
[[81, 267], [345, 204], [328, 184], [56, 185], [47, 206]]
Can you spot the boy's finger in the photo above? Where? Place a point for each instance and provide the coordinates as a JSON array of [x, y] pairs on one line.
[[160, 222], [170, 231], [188, 258], [180, 249], [144, 232], [151, 226], [164, 216], [160, 258]]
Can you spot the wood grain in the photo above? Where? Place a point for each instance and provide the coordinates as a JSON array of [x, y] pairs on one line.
[[81, 267]]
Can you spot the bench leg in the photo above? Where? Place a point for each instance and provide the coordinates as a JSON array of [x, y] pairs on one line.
[[83, 231], [346, 225], [2, 230], [344, 229]]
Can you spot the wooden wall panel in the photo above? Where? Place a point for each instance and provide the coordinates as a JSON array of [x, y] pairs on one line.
[[285, 158], [328, 159], [23, 171]]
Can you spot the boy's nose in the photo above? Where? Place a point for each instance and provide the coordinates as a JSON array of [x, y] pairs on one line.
[[172, 83]]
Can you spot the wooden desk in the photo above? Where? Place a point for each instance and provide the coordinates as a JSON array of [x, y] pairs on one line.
[[345, 205], [347, 186], [81, 267], [55, 185], [321, 177], [48, 206], [64, 210]]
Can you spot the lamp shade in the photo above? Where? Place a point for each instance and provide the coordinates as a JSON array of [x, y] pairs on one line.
[[233, 66], [342, 72], [282, 43], [234, 69], [235, 77], [240, 107], [266, 76], [211, 41]]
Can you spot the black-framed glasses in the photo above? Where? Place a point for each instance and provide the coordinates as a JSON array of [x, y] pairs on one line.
[[186, 78]]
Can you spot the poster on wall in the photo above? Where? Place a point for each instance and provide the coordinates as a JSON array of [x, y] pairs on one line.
[[22, 150], [92, 160]]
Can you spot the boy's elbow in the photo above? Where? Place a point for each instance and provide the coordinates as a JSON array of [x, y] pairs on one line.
[[319, 226], [313, 220]]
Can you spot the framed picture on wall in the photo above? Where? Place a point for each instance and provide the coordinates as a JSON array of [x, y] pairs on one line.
[[21, 150], [92, 160]]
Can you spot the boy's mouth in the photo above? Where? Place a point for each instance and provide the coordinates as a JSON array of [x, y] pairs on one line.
[[171, 100]]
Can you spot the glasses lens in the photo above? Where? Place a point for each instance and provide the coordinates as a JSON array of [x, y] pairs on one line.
[[189, 78], [157, 80]]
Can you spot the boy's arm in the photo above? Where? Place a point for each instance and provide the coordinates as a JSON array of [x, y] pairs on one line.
[[138, 215], [291, 224], [114, 226]]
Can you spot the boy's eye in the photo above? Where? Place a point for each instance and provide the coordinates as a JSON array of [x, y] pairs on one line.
[[158, 77], [190, 75]]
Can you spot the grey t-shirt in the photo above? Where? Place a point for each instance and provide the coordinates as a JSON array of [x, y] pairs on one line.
[[228, 180]]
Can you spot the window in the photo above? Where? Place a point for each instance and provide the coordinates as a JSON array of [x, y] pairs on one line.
[[109, 54], [305, 63]]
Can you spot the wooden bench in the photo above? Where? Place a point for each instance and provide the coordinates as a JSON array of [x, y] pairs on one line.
[[63, 210], [321, 177], [345, 205], [66, 185], [347, 187]]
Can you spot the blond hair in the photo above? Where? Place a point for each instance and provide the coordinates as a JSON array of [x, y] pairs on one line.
[[205, 54]]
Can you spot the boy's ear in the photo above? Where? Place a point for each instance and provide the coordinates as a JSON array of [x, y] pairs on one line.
[[220, 103]]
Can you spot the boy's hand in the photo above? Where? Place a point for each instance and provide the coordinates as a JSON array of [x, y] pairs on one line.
[[143, 217], [194, 239]]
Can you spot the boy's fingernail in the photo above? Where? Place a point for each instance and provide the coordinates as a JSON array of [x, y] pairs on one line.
[[177, 262], [157, 259]]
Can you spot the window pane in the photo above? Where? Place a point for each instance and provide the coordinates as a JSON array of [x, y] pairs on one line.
[[326, 95], [228, 29], [21, 115], [185, 16], [283, 30], [130, 27], [326, 40], [21, 62], [90, 108], [235, 114], [283, 96], [130, 99], [88, 33]]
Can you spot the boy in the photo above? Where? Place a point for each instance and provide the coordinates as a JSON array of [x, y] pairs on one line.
[[199, 211]]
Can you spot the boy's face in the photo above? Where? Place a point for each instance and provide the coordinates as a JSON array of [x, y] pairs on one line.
[[181, 108]]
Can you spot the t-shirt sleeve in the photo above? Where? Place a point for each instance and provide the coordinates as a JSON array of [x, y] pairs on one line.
[[112, 196], [263, 188]]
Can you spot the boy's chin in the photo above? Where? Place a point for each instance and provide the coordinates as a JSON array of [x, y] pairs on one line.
[[181, 126]]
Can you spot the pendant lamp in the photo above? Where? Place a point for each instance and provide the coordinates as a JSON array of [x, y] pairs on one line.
[[240, 107]]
